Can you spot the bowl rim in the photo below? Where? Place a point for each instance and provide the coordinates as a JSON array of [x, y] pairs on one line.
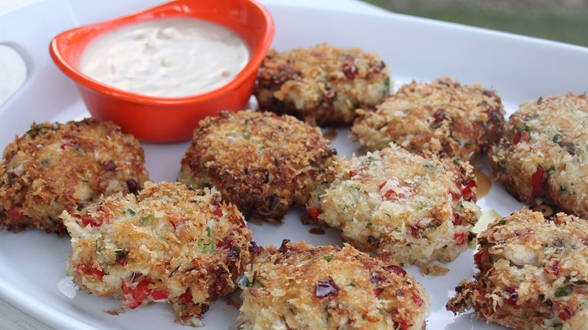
[[256, 57]]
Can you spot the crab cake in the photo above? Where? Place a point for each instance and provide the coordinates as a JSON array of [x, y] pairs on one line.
[[262, 162], [443, 117], [413, 208], [168, 244], [65, 166], [533, 273], [322, 85], [299, 286], [544, 153]]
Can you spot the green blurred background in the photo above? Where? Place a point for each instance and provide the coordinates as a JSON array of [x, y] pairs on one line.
[[561, 20]]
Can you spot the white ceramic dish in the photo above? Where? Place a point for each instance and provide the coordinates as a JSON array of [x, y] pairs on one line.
[[32, 263]]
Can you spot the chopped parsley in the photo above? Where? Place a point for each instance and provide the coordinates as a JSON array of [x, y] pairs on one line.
[[38, 129], [501, 167], [564, 290], [99, 245], [244, 281], [556, 138], [147, 220], [205, 247]]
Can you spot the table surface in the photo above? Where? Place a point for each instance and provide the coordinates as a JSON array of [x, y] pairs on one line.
[[12, 318]]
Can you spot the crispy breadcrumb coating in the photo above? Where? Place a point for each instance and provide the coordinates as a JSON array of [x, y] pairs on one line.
[[443, 117], [260, 161], [544, 153], [299, 286], [533, 273], [414, 208], [65, 166], [168, 244], [322, 85]]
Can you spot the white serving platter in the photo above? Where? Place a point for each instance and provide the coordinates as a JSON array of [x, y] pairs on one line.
[[32, 264]]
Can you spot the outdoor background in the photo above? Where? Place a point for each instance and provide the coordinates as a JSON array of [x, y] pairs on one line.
[[561, 20]]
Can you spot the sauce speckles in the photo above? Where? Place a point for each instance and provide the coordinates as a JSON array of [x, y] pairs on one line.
[[317, 231]]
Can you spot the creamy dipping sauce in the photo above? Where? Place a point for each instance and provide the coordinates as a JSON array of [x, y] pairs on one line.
[[171, 57]]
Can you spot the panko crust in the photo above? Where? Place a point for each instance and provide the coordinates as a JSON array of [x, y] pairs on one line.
[[544, 153], [322, 85], [415, 208], [443, 117], [65, 166], [168, 244], [260, 161], [533, 273], [299, 286]]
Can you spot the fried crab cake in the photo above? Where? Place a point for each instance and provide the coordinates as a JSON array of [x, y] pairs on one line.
[[322, 85], [168, 244], [299, 286], [260, 161], [413, 208], [65, 166], [533, 273], [443, 117], [544, 153]]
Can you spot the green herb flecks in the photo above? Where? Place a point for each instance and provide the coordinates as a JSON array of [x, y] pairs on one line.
[[244, 281], [121, 256], [99, 245], [147, 220], [37, 129], [556, 138], [387, 86], [205, 247], [501, 167], [564, 290]]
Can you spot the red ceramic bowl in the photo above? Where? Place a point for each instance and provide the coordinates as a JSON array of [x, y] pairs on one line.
[[159, 119]]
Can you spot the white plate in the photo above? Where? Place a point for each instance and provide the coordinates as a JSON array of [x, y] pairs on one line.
[[32, 263]]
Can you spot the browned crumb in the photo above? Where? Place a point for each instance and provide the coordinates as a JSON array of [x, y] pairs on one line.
[[322, 85], [262, 162], [443, 117], [56, 167]]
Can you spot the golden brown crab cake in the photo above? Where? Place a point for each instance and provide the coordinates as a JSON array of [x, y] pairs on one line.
[[413, 208], [544, 153], [299, 286], [65, 166], [260, 161], [533, 273], [322, 85], [168, 244], [443, 117]]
